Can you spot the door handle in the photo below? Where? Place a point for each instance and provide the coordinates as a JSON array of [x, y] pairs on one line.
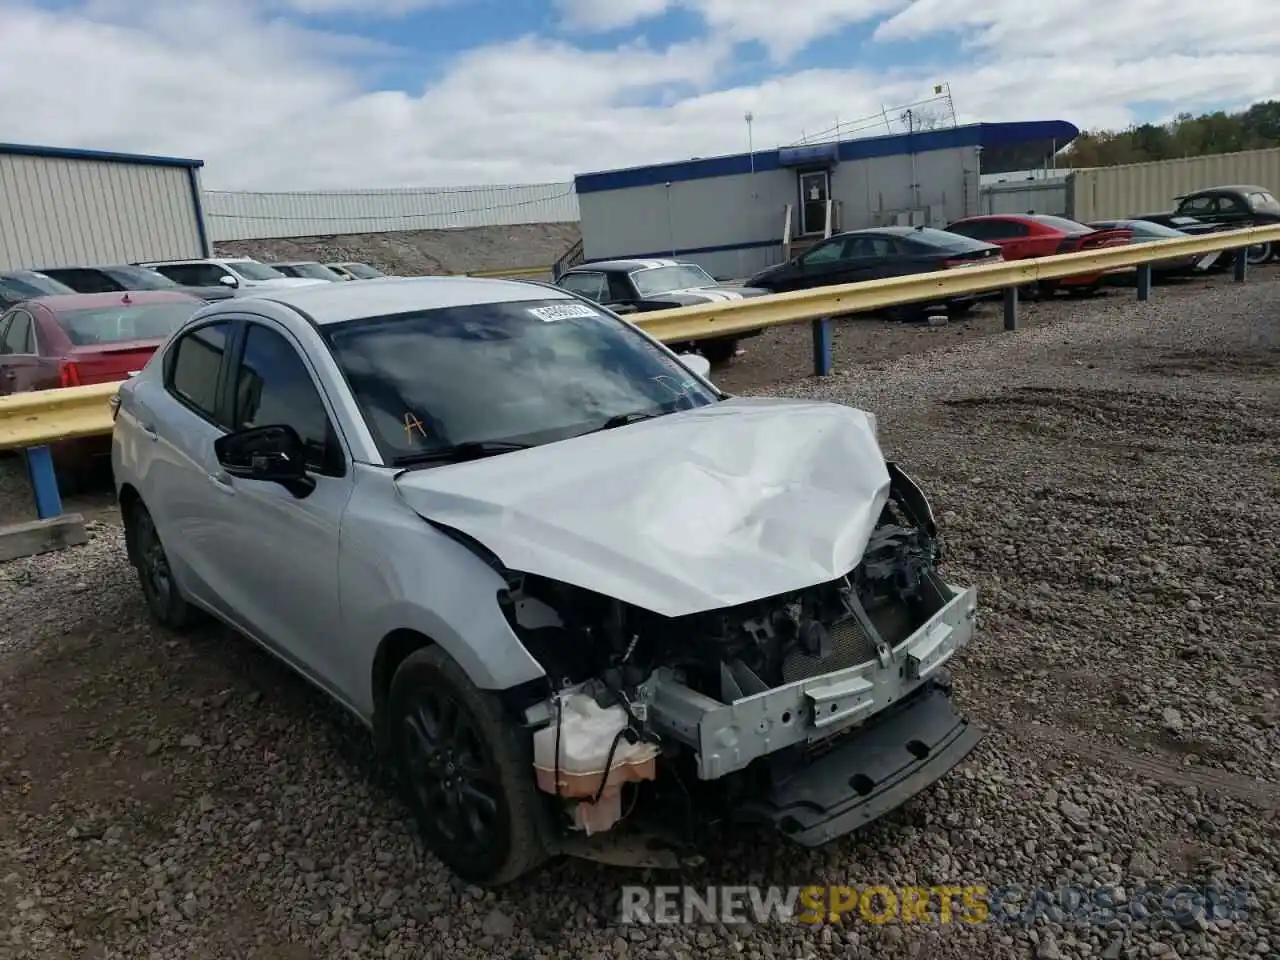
[[150, 430], [11, 375]]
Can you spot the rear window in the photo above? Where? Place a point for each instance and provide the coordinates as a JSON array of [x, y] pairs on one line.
[[943, 241], [28, 283], [1061, 223], [362, 270], [118, 324]]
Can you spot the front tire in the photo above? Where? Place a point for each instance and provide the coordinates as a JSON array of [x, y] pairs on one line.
[[467, 773], [164, 599], [1259, 253]]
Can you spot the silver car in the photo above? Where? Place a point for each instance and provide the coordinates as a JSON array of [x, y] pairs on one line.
[[584, 601]]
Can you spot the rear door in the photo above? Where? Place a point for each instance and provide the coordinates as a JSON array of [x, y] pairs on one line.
[[168, 438]]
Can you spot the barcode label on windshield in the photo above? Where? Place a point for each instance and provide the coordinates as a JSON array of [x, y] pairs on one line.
[[562, 312]]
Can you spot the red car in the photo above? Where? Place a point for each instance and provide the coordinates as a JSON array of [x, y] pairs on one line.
[[1034, 235], [71, 340]]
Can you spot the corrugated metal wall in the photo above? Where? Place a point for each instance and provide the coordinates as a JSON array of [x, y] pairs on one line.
[[1139, 188], [1043, 196], [56, 211], [233, 215]]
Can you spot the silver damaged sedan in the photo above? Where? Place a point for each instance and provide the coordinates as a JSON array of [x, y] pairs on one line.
[[585, 602]]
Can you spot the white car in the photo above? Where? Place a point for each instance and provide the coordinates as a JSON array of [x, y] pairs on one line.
[[550, 565], [238, 273]]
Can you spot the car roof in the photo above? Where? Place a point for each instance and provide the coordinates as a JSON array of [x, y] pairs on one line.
[[292, 263], [147, 263], [1226, 188], [646, 263], [328, 303], [87, 301]]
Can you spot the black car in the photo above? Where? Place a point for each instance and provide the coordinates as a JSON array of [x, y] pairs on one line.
[[19, 285], [119, 278], [1227, 208], [640, 286], [879, 252]]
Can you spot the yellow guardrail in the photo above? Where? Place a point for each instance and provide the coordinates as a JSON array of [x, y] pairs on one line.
[[44, 416], [740, 316], [34, 420]]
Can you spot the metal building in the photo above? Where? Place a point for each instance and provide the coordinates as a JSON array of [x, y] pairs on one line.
[[738, 214], [61, 207]]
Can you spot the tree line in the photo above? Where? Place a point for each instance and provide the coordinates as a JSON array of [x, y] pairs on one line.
[[1185, 136]]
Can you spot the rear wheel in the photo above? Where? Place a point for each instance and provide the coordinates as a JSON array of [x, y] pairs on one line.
[[467, 772], [160, 590], [1258, 253]]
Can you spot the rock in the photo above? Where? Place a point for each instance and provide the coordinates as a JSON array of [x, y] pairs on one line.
[[1172, 719], [1047, 948], [498, 924], [191, 741]]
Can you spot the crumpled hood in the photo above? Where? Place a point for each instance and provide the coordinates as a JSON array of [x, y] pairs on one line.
[[693, 511]]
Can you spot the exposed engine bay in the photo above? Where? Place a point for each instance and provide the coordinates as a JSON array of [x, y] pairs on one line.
[[726, 696]]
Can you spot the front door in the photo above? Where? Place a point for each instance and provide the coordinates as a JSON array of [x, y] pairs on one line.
[[280, 551], [815, 190]]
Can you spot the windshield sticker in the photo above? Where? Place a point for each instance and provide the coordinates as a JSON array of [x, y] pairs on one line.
[[412, 423], [566, 311]]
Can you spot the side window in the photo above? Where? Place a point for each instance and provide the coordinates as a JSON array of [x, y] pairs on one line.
[[1009, 230], [20, 338], [585, 284], [273, 387], [88, 281], [975, 230], [1229, 204], [824, 253], [193, 274], [4, 327], [1196, 206], [195, 362], [619, 288]]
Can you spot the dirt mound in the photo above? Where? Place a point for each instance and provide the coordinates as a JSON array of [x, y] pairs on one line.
[[423, 252]]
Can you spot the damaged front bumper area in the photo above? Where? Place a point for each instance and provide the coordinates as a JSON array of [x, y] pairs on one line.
[[836, 750]]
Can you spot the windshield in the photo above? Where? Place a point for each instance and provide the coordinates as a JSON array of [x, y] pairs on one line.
[[253, 271], [143, 321], [1263, 200], [31, 284], [530, 372], [362, 270], [316, 271], [140, 278], [685, 276]]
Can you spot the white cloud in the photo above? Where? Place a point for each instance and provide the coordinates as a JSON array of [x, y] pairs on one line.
[[269, 104], [783, 28]]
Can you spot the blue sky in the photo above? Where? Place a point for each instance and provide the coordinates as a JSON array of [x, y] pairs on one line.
[[308, 94]]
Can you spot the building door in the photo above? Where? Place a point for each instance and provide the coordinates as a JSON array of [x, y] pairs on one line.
[[815, 190]]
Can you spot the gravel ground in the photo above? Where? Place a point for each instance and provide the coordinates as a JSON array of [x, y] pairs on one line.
[[414, 253], [1108, 477]]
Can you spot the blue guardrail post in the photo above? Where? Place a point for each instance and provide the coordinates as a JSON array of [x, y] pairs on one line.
[[44, 482], [1144, 281], [822, 347]]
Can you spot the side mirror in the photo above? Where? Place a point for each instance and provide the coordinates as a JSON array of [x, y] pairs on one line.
[[696, 363], [271, 454], [228, 281]]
